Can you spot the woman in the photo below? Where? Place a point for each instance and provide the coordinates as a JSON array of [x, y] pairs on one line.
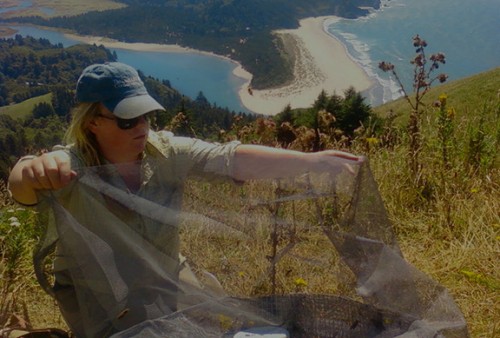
[[110, 128]]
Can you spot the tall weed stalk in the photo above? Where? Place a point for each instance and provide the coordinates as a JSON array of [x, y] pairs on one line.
[[423, 78]]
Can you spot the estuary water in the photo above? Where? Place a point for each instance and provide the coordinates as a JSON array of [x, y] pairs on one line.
[[466, 31], [188, 72]]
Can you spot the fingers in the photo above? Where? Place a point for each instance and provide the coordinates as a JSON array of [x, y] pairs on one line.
[[65, 172], [49, 171], [342, 156], [346, 156], [337, 161], [39, 173]]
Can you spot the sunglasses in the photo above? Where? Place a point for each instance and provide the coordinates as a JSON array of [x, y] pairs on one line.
[[127, 123]]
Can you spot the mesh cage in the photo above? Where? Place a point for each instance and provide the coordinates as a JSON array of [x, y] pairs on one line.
[[314, 255]]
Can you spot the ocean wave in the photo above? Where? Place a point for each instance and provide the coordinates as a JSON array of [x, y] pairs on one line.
[[384, 5], [385, 88], [358, 51], [389, 90], [392, 89], [385, 34]]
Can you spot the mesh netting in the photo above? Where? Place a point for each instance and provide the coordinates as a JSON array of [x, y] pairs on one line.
[[312, 255]]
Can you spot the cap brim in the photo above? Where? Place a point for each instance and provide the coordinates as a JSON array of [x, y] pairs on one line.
[[133, 106]]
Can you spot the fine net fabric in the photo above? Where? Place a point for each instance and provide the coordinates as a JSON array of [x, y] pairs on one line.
[[313, 254]]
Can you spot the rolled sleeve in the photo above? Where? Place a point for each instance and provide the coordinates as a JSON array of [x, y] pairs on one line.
[[197, 157], [218, 158]]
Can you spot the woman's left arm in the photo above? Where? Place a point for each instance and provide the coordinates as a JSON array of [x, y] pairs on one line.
[[260, 162]]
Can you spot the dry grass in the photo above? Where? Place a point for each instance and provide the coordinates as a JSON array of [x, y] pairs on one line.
[[20, 293], [63, 7], [449, 229], [463, 256], [239, 241], [6, 31]]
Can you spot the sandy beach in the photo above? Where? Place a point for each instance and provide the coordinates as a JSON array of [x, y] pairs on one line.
[[321, 63], [136, 46]]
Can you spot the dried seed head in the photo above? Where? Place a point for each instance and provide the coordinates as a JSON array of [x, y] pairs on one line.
[[438, 57], [442, 78], [418, 42], [418, 60], [386, 66]]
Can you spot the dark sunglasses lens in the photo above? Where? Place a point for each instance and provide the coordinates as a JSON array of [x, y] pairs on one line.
[[127, 123]]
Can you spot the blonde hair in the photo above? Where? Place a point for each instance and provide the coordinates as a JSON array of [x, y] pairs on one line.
[[80, 137]]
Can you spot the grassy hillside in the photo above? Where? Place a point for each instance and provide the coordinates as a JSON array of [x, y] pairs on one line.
[[63, 8], [467, 93], [449, 226], [25, 108], [446, 219]]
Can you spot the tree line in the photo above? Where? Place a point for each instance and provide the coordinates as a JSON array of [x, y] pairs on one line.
[[32, 67], [239, 29], [26, 71]]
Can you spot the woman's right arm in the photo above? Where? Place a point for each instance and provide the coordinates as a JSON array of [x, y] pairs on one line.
[[50, 171]]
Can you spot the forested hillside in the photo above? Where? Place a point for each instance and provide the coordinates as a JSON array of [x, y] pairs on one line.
[[37, 81], [239, 29], [31, 67]]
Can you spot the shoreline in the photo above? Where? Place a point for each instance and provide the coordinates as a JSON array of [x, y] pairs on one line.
[[239, 71], [135, 46], [321, 63]]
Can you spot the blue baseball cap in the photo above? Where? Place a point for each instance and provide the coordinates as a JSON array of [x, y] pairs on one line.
[[117, 86]]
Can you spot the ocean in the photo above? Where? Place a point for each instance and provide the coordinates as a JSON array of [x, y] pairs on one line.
[[466, 31]]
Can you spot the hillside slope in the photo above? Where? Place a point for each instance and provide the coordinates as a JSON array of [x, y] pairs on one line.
[[466, 94]]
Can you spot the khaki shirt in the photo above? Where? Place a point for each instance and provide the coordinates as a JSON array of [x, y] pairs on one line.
[[116, 249]]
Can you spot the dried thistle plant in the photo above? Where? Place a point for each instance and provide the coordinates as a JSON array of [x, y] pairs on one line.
[[423, 78]]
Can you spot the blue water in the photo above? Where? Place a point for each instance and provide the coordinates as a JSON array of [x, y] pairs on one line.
[[466, 31], [188, 72], [191, 73]]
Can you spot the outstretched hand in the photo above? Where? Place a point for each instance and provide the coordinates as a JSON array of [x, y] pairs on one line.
[[333, 160]]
